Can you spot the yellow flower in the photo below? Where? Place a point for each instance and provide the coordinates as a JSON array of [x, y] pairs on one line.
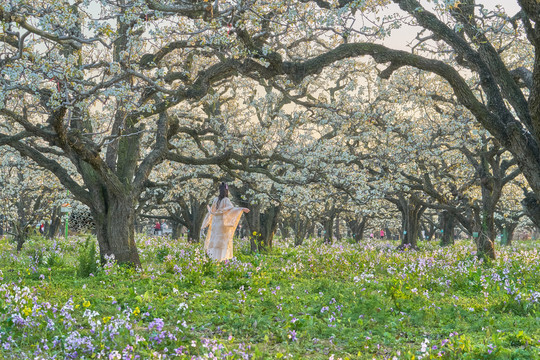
[[86, 303], [106, 319], [254, 233], [136, 312], [27, 311]]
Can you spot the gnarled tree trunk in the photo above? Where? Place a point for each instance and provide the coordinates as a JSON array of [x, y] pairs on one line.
[[411, 211], [262, 226], [301, 228], [115, 228], [358, 227]]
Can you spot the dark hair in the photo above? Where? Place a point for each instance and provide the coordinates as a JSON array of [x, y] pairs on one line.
[[223, 192]]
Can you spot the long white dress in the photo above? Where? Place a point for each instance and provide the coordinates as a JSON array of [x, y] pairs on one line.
[[221, 220]]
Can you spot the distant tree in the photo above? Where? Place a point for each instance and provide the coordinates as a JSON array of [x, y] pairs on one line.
[[28, 195]]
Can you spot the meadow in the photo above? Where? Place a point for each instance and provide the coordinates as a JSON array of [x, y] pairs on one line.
[[316, 301]]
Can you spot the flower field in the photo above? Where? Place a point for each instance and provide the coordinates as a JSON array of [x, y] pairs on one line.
[[316, 301]]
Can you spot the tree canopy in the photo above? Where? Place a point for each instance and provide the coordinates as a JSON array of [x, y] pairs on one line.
[[101, 93]]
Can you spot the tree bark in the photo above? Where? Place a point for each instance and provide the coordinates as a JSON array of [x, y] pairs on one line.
[[411, 211], [192, 216], [531, 207], [176, 229], [447, 226], [56, 221], [491, 188], [263, 224], [357, 228], [253, 221], [337, 228], [328, 225], [269, 223], [301, 227], [115, 228], [196, 219], [20, 239], [284, 228], [311, 229], [510, 229]]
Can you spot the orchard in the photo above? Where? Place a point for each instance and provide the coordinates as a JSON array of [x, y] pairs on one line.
[[388, 153]]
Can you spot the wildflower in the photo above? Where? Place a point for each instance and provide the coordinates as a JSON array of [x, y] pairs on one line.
[[115, 355], [137, 311], [157, 323], [424, 345], [86, 303], [27, 311], [292, 335]]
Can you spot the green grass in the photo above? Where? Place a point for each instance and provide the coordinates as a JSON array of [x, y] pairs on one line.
[[315, 301]]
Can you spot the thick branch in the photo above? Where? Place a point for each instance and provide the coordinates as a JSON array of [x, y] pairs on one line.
[[156, 155], [54, 167]]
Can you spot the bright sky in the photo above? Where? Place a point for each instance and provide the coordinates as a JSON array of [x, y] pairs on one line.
[[400, 38]]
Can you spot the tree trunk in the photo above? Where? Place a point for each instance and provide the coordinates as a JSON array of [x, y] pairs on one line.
[[481, 234], [338, 228], [411, 213], [510, 228], [194, 218], [357, 228], [20, 241], [285, 229], [194, 231], [263, 224], [311, 229], [176, 229], [328, 225], [253, 221], [56, 221], [269, 221], [507, 227], [300, 228], [447, 227], [115, 229], [485, 246], [531, 206], [388, 233]]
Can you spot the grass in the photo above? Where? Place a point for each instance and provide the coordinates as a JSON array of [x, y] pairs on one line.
[[316, 301]]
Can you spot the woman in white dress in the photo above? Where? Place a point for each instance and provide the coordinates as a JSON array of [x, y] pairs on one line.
[[221, 220]]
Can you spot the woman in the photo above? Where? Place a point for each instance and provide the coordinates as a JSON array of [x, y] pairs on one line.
[[221, 220]]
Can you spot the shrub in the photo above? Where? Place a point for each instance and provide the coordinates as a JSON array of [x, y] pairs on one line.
[[54, 260], [88, 259]]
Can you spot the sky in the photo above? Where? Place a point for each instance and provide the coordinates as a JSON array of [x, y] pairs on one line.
[[400, 38]]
